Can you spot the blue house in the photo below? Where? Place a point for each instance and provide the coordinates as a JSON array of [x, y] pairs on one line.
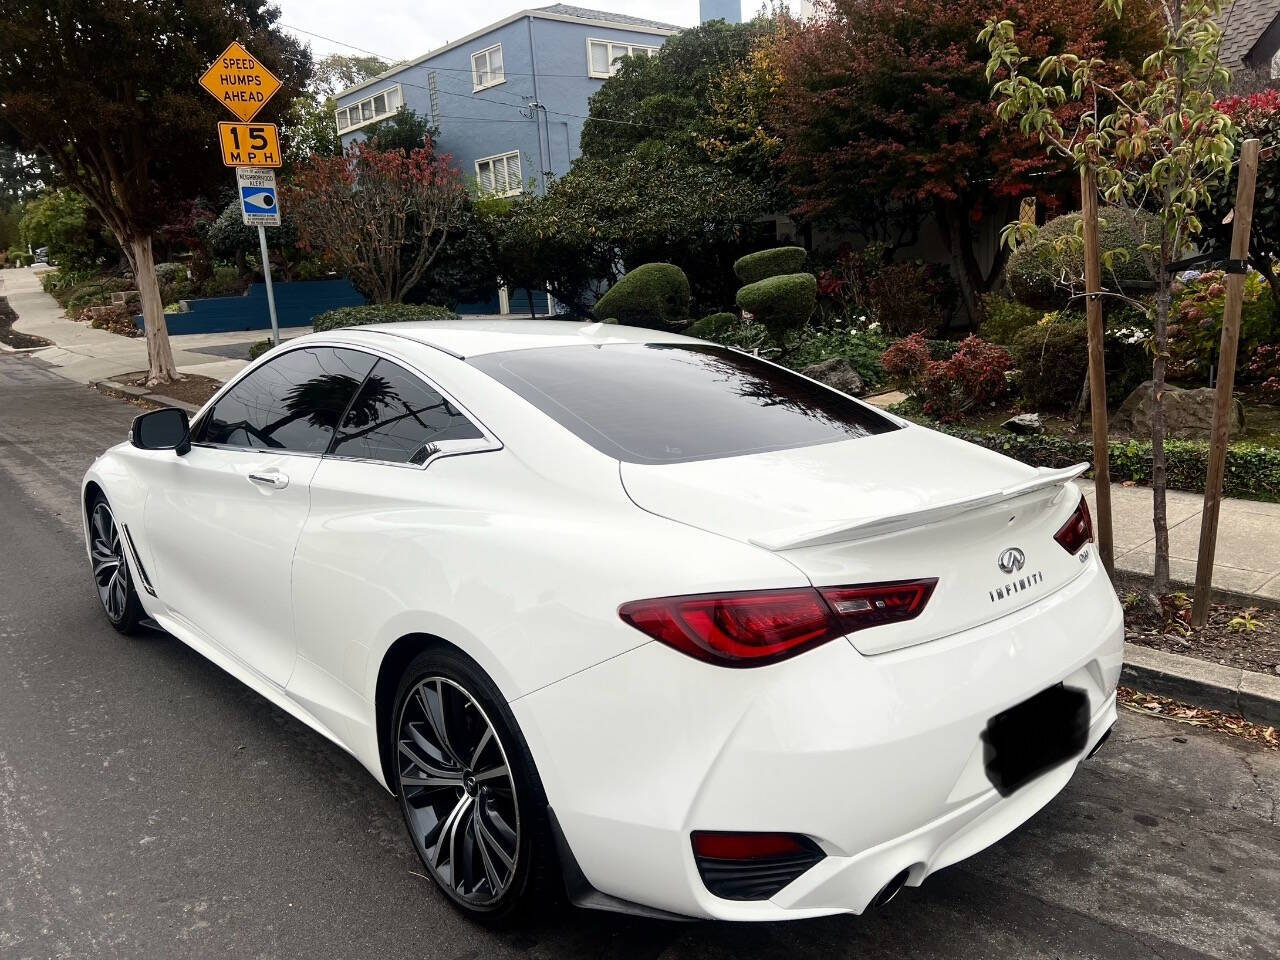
[[509, 100]]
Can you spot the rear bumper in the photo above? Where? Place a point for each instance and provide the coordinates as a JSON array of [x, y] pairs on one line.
[[878, 759]]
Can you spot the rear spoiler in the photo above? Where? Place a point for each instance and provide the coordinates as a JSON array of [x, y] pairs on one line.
[[892, 523]]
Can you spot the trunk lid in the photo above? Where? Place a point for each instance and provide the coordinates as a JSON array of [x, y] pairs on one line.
[[904, 505]]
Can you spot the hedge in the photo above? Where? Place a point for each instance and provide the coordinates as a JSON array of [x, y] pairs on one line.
[[653, 295], [780, 303], [708, 327], [755, 267], [379, 313], [1253, 470]]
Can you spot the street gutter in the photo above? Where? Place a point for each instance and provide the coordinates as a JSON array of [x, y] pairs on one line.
[[1254, 696]]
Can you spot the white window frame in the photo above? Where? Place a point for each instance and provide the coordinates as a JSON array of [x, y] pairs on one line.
[[374, 117], [504, 157], [476, 85], [610, 46]]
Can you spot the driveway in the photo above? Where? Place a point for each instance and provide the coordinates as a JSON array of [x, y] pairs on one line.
[[150, 806]]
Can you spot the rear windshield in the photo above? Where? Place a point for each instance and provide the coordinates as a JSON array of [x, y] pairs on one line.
[[671, 403]]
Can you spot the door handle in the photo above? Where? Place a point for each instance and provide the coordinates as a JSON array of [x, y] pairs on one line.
[[277, 480]]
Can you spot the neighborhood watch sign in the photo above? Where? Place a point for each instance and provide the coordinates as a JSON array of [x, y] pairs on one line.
[[239, 82]]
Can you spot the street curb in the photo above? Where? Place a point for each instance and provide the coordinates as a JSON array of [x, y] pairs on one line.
[[1254, 696], [142, 393]]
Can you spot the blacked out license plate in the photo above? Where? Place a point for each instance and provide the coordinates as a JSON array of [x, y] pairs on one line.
[[1028, 739]]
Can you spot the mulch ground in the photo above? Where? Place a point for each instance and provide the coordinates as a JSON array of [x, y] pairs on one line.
[[1245, 637], [1232, 724], [192, 388], [11, 337]]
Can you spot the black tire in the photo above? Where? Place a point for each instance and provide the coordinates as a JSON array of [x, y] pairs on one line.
[[109, 564], [464, 702]]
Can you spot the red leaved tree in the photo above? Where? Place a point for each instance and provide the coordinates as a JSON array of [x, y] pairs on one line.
[[886, 118], [379, 216]]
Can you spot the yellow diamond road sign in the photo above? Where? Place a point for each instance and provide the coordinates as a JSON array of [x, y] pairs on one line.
[[239, 82]]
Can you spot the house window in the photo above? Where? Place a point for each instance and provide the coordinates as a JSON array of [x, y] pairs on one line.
[[500, 176], [486, 67], [603, 56], [382, 104]]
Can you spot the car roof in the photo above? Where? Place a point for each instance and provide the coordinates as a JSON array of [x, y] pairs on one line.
[[470, 338]]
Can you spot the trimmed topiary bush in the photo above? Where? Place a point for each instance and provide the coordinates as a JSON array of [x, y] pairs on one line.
[[1036, 269], [379, 313], [710, 326], [776, 262], [653, 295], [780, 304], [1003, 319], [1051, 359]]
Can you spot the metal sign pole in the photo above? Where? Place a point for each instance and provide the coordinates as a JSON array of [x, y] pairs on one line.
[[266, 276]]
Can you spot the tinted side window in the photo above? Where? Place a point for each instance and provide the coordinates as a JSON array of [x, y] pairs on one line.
[[292, 403], [396, 417]]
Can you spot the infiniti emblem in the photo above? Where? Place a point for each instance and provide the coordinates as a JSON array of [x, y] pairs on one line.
[[1011, 559]]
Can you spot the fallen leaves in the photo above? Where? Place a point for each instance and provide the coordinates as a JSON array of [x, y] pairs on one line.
[[1228, 723]]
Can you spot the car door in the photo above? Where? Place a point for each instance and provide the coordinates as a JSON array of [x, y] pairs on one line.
[[223, 521], [381, 490]]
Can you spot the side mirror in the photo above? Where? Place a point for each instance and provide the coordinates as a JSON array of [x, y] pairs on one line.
[[166, 429]]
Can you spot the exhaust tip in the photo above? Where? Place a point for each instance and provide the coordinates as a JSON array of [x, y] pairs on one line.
[[890, 889]]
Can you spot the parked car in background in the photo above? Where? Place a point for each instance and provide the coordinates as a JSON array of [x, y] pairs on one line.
[[623, 612]]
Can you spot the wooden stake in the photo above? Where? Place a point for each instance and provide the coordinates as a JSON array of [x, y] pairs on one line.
[[1240, 228], [1097, 365]]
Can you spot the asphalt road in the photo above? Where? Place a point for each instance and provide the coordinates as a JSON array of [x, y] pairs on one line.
[[150, 806]]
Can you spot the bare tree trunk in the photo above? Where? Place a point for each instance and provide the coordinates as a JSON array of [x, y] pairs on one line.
[[1159, 476], [958, 241], [160, 365]]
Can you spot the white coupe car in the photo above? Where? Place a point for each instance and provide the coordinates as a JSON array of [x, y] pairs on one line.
[[625, 612]]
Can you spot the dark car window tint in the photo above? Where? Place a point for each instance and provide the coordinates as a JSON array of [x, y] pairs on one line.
[[669, 403], [292, 403], [396, 417]]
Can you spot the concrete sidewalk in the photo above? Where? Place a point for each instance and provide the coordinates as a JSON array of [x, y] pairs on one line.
[[1247, 560], [86, 355]]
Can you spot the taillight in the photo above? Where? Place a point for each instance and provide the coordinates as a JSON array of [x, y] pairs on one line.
[[1078, 530], [751, 629]]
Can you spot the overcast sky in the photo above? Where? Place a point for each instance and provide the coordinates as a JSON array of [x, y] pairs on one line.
[[401, 29]]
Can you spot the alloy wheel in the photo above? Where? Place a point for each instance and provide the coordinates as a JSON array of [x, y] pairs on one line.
[[110, 572], [458, 792]]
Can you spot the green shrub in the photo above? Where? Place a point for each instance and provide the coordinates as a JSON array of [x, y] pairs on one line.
[[709, 326], [755, 267], [258, 349], [780, 304], [379, 313], [1037, 269], [653, 295], [169, 272], [224, 282], [1253, 470], [1003, 319], [1052, 359]]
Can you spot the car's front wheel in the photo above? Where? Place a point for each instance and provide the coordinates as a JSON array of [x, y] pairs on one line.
[[468, 789], [111, 576]]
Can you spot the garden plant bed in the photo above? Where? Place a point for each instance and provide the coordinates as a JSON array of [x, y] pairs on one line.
[[1244, 637], [192, 388], [11, 337]]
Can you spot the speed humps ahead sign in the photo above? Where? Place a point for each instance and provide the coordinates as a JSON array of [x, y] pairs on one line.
[[239, 82]]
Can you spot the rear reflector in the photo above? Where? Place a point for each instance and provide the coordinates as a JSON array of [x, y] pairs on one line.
[[751, 866], [755, 628], [1078, 530]]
